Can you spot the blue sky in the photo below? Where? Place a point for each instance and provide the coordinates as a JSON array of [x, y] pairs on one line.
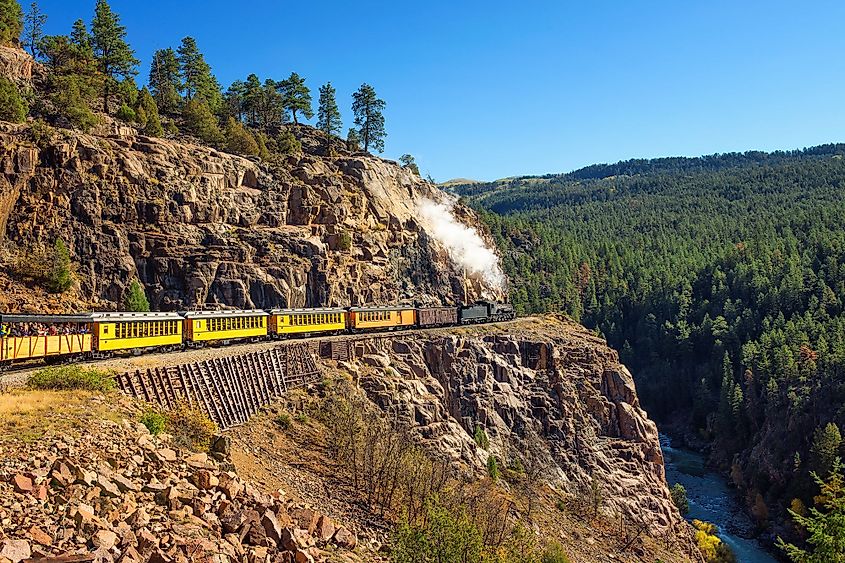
[[490, 89]]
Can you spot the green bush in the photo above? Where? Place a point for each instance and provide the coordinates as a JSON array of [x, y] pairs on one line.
[[480, 437], [60, 276], [12, 105], [72, 104], [301, 418], [283, 420], [11, 21], [345, 241], [71, 377], [201, 122], [554, 554], [443, 535], [679, 497], [492, 467], [239, 140], [126, 113], [136, 300], [287, 143], [191, 428], [154, 421]]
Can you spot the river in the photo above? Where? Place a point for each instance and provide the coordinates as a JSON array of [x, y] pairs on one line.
[[711, 499]]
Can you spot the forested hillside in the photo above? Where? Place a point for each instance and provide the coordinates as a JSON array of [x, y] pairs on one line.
[[721, 279]]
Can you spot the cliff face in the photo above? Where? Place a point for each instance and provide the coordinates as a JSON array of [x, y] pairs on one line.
[[197, 226], [545, 392]]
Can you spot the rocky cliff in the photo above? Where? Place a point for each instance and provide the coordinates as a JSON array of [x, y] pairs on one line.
[[198, 226], [546, 392]]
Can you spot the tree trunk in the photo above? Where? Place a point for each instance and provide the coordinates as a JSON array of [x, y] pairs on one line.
[[293, 112], [106, 97]]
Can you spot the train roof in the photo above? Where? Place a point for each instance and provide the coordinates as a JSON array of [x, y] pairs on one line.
[[307, 310], [121, 317], [382, 308], [35, 318], [224, 314]]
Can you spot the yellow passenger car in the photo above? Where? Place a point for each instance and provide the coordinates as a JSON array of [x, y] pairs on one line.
[[301, 321], [373, 318], [26, 337], [127, 331], [213, 326]]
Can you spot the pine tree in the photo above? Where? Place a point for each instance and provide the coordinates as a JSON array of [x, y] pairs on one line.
[[164, 80], [353, 142], [296, 96], [328, 115], [197, 80], [115, 57], [200, 121], [251, 98], [79, 35], [238, 139], [73, 82], [234, 100], [33, 29], [271, 111], [60, 275], [369, 118], [825, 528], [11, 21], [136, 299], [12, 105], [152, 121], [825, 448], [408, 162]]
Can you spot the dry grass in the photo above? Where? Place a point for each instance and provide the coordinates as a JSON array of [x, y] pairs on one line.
[[28, 415]]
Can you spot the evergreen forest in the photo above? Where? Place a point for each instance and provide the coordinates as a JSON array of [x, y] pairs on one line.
[[721, 282]]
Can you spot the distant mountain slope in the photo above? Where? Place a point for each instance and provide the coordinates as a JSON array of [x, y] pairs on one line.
[[525, 192], [721, 280]]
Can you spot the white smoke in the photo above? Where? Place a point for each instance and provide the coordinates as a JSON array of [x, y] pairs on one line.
[[463, 243]]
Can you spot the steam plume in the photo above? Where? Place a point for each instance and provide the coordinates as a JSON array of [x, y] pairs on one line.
[[463, 243]]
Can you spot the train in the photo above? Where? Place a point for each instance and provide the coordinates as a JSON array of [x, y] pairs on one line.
[[104, 334]]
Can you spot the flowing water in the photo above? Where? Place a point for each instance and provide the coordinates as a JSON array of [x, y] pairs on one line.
[[711, 499]]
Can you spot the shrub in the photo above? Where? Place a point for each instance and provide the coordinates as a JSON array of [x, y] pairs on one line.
[[201, 122], [287, 143], [136, 300], [148, 116], [492, 467], [154, 421], [239, 140], [12, 105], [283, 420], [126, 113], [480, 437], [261, 140], [60, 277], [554, 554], [712, 548], [345, 241], [71, 378], [444, 535], [301, 418], [71, 103], [191, 428], [11, 21], [679, 497]]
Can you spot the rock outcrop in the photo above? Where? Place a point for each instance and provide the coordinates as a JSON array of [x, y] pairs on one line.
[[545, 391], [117, 493], [199, 227], [16, 64]]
